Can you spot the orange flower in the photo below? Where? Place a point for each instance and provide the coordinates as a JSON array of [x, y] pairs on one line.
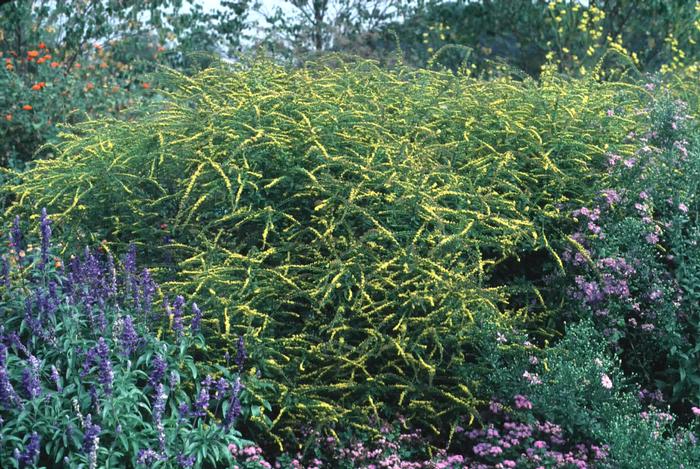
[[8, 117], [39, 86], [42, 45], [57, 264], [103, 65], [55, 64], [98, 47], [41, 60], [77, 65], [32, 54], [47, 57], [27, 107], [160, 49], [89, 86], [146, 86]]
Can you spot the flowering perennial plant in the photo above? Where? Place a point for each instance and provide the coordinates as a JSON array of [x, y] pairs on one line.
[[82, 374]]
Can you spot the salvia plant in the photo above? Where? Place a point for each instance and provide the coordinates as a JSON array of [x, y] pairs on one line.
[[86, 378]]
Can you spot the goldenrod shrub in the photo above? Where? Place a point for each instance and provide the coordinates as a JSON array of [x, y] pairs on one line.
[[346, 218]]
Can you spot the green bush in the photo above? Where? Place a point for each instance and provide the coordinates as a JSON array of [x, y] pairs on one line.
[[355, 223]]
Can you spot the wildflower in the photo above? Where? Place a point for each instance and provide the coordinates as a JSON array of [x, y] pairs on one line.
[[177, 315], [522, 402], [652, 238], [605, 381], [90, 435], [56, 378], [532, 378], [129, 338], [5, 272], [148, 287], [185, 461], [696, 411], [234, 410], [30, 453], [158, 411], [16, 236], [683, 207], [629, 163], [55, 64], [196, 317], [610, 112], [27, 107], [539, 444], [158, 369], [106, 374], [38, 86], [8, 117], [30, 378], [146, 456], [42, 45], [146, 86], [33, 54], [202, 403], [45, 228], [8, 396], [611, 196]]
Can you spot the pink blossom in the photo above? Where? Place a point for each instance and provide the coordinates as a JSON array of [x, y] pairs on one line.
[[696, 410], [605, 381], [683, 207]]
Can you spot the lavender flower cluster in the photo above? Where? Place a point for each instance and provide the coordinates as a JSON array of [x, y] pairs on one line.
[[71, 345]]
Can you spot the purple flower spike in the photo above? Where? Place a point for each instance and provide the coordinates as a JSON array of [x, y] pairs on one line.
[[56, 378], [16, 236], [30, 378], [106, 377], [177, 315], [196, 318], [91, 435], [129, 338], [45, 238], [8, 396], [158, 370], [241, 354], [30, 453], [5, 272]]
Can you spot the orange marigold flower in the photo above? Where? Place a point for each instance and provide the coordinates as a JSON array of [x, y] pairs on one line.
[[36, 87], [33, 53], [42, 45], [55, 64], [146, 86], [27, 107], [41, 60], [47, 57]]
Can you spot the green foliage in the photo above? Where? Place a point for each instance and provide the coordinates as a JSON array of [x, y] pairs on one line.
[[93, 61], [348, 219], [572, 34]]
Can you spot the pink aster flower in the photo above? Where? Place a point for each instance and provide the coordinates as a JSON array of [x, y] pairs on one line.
[[605, 381]]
